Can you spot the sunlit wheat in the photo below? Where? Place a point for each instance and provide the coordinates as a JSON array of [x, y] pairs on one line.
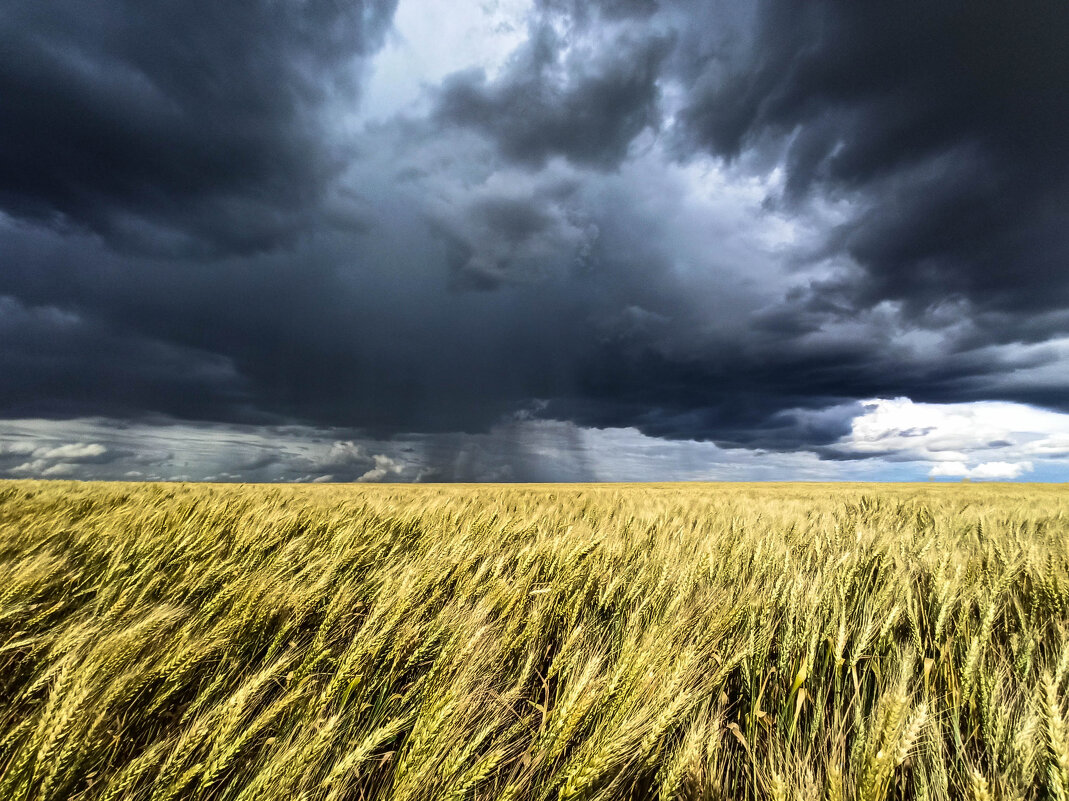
[[848, 642]]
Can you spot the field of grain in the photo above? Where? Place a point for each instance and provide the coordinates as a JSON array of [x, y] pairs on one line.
[[712, 641]]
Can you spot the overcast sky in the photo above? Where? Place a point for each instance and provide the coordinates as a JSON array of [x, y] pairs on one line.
[[534, 240]]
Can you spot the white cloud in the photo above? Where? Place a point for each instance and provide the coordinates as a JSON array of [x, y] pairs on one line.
[[60, 469], [50, 461], [984, 470], [981, 440], [384, 466], [73, 451]]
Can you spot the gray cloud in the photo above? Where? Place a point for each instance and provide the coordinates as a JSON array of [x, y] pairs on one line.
[[516, 450], [567, 94], [188, 128], [945, 125]]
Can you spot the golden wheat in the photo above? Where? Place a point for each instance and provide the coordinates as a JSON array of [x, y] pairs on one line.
[[170, 641]]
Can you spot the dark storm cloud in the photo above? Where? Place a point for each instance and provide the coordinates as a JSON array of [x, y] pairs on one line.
[[945, 122], [59, 363], [175, 127], [586, 104], [377, 341], [515, 235]]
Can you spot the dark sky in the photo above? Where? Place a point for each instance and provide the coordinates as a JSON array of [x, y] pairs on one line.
[[515, 240]]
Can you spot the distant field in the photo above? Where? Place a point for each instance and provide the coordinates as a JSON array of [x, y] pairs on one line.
[[692, 641]]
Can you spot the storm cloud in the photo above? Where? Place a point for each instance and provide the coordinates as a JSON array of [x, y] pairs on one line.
[[565, 93], [176, 127], [944, 124], [506, 243]]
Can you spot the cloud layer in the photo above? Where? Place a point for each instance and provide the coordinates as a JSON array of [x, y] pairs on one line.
[[888, 439]]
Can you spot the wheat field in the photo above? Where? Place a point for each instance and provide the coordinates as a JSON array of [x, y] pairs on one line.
[[691, 641]]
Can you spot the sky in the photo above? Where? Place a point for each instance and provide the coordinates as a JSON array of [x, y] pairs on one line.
[[534, 240]]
